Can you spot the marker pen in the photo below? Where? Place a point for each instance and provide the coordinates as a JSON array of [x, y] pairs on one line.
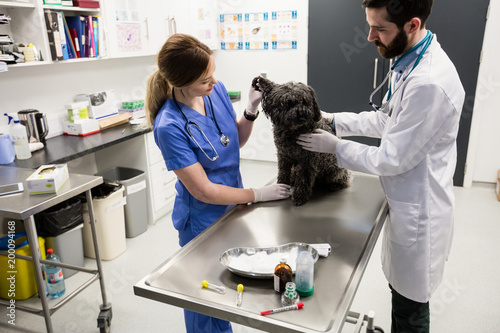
[[297, 306]]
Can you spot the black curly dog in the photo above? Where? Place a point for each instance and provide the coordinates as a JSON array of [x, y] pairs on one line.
[[293, 110]]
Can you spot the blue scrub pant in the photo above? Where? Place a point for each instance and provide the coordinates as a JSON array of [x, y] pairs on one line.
[[198, 323]]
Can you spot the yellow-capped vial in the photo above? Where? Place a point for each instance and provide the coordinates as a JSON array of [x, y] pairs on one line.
[[214, 287], [239, 298]]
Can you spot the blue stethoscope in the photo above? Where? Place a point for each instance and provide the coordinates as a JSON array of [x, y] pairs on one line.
[[426, 41], [224, 139]]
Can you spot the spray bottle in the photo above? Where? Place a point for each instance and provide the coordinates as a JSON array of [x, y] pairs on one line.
[[19, 136]]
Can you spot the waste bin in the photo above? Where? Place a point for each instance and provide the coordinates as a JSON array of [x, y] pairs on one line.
[[136, 211], [109, 216], [60, 218], [69, 247], [61, 226], [18, 281]]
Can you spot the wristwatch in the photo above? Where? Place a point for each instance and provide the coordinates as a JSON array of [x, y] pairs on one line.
[[250, 117]]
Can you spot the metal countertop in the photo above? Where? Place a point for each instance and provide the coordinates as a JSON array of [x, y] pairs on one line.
[[349, 220]]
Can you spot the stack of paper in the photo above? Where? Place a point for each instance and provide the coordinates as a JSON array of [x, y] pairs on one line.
[[3, 67]]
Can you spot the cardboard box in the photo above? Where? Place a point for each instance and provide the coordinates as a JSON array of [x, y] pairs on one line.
[[498, 185], [102, 104], [47, 179], [90, 126]]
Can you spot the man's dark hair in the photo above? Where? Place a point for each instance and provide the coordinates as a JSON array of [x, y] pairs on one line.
[[402, 11]]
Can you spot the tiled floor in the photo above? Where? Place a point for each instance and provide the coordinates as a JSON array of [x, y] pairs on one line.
[[467, 301]]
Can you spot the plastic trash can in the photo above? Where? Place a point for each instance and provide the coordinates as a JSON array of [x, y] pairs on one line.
[[21, 284], [136, 209], [69, 247], [60, 218], [109, 216]]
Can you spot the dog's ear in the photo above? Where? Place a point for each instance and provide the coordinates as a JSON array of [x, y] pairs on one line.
[[263, 85], [314, 104]]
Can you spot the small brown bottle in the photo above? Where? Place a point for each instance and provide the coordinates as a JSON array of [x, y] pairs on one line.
[[282, 275]]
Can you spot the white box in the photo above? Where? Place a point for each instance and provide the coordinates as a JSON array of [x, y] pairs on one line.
[[101, 104], [90, 126], [78, 111], [47, 179]]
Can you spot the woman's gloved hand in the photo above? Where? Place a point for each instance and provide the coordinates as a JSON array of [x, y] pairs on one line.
[[319, 141], [254, 98], [328, 116], [271, 192]]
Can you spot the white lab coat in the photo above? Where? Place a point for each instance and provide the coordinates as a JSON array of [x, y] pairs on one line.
[[416, 162]]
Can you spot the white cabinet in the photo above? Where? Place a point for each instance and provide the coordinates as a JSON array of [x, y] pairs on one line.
[[135, 27], [162, 182], [27, 25]]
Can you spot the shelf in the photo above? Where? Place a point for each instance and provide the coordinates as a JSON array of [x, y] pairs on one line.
[[71, 9], [14, 4]]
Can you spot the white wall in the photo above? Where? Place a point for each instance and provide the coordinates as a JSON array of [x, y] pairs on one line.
[[48, 88], [237, 68], [483, 157]]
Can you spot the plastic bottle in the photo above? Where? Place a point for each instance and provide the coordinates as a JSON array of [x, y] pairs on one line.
[[290, 296], [282, 275], [55, 278], [19, 136], [304, 274]]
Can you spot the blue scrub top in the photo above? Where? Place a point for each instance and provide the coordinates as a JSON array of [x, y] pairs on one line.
[[179, 151]]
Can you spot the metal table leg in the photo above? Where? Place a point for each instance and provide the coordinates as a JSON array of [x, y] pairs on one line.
[[30, 227], [104, 319]]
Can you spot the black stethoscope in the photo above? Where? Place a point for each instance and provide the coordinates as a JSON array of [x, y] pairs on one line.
[[224, 139], [427, 41]]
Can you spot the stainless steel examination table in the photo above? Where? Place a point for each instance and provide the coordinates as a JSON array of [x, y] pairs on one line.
[[349, 220]]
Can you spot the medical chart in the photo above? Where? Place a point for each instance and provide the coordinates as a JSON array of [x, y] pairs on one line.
[[284, 30], [256, 31], [259, 31], [231, 31]]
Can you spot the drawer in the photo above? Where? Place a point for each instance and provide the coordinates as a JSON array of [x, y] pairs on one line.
[[157, 169], [164, 198], [160, 185], [155, 155], [150, 141]]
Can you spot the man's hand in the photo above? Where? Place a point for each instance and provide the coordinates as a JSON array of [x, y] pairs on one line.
[[319, 141]]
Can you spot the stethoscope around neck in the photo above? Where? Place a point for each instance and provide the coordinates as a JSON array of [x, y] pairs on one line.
[[224, 139], [427, 41]]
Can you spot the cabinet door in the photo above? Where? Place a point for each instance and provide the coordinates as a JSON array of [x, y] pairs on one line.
[[135, 27], [343, 67]]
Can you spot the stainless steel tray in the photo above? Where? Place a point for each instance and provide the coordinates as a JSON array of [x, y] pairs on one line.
[[259, 262]]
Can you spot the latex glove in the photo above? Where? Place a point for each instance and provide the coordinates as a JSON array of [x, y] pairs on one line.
[[272, 192], [254, 98], [319, 141], [328, 116]]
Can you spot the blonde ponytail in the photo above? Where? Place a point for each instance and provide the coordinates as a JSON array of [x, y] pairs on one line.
[[157, 93]]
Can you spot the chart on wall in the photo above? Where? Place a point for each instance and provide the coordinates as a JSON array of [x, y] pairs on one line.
[[284, 29], [257, 31], [231, 32]]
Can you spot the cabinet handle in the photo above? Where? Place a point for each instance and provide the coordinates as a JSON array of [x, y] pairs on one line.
[[172, 26], [375, 72], [147, 27]]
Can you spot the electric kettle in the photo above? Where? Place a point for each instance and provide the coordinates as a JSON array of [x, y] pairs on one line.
[[36, 124]]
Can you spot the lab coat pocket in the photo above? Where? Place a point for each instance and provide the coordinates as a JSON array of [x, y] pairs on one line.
[[403, 222]]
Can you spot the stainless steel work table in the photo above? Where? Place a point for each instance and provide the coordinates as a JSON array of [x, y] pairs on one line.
[[22, 206], [349, 220]]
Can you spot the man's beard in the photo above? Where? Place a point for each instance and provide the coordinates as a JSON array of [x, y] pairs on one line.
[[395, 48]]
